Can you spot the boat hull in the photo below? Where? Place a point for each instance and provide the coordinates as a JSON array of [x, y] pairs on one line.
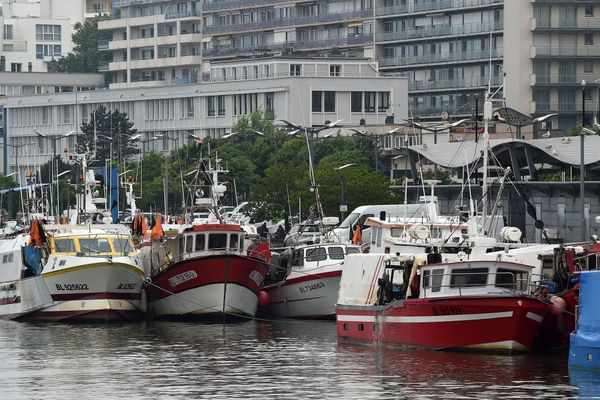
[[22, 297], [97, 291], [485, 324], [206, 286], [311, 296]]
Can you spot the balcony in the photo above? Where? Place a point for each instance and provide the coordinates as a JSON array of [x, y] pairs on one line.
[[453, 30], [561, 80], [103, 66], [14, 46], [423, 111], [103, 44], [450, 57], [462, 83], [294, 21], [438, 5], [570, 52], [235, 4], [182, 14], [563, 24], [224, 51], [572, 107]]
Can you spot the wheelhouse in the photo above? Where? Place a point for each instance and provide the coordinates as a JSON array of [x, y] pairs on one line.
[[315, 256], [91, 245], [213, 238]]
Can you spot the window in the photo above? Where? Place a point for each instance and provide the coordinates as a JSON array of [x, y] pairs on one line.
[[356, 100], [510, 279], [199, 242], [64, 245], [233, 241], [329, 101], [8, 32], [336, 253], [589, 39], [15, 67], [94, 246], [295, 69], [432, 279], [217, 241], [335, 70], [188, 107], [589, 11], [352, 250], [467, 277], [189, 243], [210, 103], [66, 112], [122, 245], [361, 327], [47, 32], [221, 104], [297, 258], [317, 105], [384, 101], [316, 254], [370, 101]]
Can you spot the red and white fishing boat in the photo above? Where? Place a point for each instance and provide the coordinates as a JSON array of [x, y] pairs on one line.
[[206, 268], [206, 271], [405, 300], [310, 290]]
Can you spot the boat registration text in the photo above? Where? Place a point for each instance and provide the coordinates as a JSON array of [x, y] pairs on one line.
[[183, 277]]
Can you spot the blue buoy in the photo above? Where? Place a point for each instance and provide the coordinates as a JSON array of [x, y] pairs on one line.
[[584, 350]]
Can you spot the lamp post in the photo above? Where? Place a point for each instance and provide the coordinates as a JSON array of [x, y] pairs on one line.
[[343, 202], [582, 163], [436, 128]]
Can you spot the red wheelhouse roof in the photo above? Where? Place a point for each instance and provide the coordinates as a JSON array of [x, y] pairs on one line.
[[217, 227]]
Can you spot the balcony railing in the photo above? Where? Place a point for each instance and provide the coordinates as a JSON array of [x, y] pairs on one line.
[[182, 14], [312, 74], [567, 24], [226, 5], [434, 5], [471, 82], [103, 44], [298, 45], [294, 21], [436, 111], [463, 29], [456, 56], [566, 80], [565, 107], [563, 51], [103, 66]]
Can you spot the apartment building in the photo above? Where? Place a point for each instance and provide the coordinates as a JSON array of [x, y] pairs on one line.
[[443, 46], [37, 33], [305, 91], [558, 48]]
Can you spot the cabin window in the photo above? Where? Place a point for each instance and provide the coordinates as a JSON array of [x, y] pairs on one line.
[[217, 241], [7, 258], [432, 279], [297, 258], [241, 242], [189, 243], [466, 277], [91, 246], [379, 235], [122, 245], [396, 232], [200, 242], [64, 245], [352, 250], [316, 254], [336, 253], [361, 327], [233, 241], [511, 279]]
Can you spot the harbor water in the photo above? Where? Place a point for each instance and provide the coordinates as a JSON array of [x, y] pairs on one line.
[[258, 360]]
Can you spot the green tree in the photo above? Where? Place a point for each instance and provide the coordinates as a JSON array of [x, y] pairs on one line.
[[85, 56], [10, 200], [109, 128]]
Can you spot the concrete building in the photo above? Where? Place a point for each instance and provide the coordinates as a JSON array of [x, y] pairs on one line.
[[559, 47], [308, 92], [37, 32], [442, 46]]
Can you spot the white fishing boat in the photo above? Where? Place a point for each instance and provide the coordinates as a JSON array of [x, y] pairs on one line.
[[92, 274], [22, 288], [310, 289]]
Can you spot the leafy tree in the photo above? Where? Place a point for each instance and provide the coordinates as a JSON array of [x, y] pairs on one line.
[[111, 128], [85, 56], [10, 200]]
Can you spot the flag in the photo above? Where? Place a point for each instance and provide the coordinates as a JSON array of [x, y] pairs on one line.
[[357, 238], [157, 231]]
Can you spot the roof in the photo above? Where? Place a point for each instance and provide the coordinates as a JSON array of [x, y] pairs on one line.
[[565, 150], [217, 227]]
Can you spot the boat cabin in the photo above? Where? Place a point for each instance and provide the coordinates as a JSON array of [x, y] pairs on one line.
[[413, 278], [319, 255], [213, 238], [91, 245]]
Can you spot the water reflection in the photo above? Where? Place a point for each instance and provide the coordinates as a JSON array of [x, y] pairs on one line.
[[288, 360]]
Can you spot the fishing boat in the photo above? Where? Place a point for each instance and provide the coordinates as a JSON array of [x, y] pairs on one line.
[[310, 283], [206, 269], [420, 301], [22, 288], [92, 274]]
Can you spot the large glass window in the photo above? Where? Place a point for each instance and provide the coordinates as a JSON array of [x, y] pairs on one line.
[[189, 243], [329, 102], [384, 101], [336, 253], [47, 32], [297, 258], [217, 241], [64, 245], [221, 104], [356, 101], [122, 245], [210, 105], [233, 241], [511, 279], [370, 101], [432, 279], [94, 246], [316, 254], [467, 277], [200, 242], [317, 102]]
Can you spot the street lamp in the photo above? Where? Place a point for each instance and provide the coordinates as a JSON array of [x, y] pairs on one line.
[[343, 202], [582, 163], [436, 128]]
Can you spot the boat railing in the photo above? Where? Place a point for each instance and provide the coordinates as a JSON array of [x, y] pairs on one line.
[[503, 283]]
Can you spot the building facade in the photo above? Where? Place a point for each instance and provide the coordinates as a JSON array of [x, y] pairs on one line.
[[37, 33], [308, 92], [444, 47]]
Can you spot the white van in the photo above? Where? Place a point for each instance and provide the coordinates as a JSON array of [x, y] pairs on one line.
[[345, 231]]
